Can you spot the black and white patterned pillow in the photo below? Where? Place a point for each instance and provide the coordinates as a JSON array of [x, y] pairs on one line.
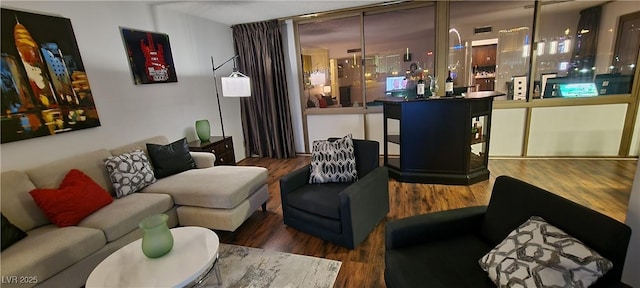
[[538, 254], [333, 162], [129, 172]]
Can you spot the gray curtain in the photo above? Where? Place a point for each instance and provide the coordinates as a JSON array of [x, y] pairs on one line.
[[266, 117]]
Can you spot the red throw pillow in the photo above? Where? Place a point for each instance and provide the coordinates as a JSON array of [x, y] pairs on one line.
[[323, 103], [77, 197]]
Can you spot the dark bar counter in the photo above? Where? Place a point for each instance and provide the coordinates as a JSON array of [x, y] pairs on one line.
[[441, 140]]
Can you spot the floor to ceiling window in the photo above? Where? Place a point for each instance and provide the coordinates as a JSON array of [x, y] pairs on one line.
[[398, 50], [491, 48], [554, 46], [489, 45], [331, 53], [625, 54], [399, 46], [520, 48], [575, 54]]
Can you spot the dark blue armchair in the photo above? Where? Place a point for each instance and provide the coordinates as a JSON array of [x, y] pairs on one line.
[[342, 213]]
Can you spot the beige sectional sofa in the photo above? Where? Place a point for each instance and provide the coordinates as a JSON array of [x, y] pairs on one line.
[[220, 198]]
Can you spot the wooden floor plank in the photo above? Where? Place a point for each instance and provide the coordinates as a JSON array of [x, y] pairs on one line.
[[603, 185]]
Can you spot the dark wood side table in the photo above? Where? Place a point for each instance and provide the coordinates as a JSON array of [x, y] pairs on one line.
[[221, 147]]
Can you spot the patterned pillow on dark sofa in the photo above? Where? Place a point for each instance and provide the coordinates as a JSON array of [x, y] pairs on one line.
[[538, 254]]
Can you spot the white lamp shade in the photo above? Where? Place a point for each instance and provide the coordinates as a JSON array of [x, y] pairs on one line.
[[326, 89], [236, 87], [318, 78]]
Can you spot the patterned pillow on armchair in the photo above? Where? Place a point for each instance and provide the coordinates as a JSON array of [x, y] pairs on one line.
[[333, 161]]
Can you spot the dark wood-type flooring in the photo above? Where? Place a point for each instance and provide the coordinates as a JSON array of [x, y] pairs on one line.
[[603, 185]]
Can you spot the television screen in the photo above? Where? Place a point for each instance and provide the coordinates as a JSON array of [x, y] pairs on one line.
[[396, 83], [578, 90], [552, 88]]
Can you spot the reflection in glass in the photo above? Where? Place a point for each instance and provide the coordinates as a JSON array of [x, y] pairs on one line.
[[331, 62], [433, 85], [557, 26], [627, 45], [489, 44], [513, 62], [458, 62], [399, 49], [579, 36]]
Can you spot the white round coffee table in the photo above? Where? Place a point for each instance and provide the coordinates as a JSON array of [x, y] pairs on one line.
[[194, 255]]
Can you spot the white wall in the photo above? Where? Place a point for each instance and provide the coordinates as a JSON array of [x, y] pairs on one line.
[[632, 264], [322, 127], [555, 131], [507, 132], [634, 149], [131, 112], [507, 129], [375, 129], [576, 130]]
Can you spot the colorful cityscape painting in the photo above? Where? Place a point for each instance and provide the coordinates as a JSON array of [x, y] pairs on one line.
[[45, 89], [149, 56]]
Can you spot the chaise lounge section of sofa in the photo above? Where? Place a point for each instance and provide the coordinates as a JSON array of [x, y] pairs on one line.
[[215, 197]]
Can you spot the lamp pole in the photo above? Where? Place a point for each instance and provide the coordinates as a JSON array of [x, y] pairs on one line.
[[215, 83]]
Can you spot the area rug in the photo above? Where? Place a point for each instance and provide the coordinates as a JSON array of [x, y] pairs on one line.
[[252, 267]]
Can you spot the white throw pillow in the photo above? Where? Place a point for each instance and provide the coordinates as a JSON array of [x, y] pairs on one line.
[[333, 162], [129, 172], [538, 254]]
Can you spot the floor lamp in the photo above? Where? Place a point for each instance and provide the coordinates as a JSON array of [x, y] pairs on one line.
[[235, 85]]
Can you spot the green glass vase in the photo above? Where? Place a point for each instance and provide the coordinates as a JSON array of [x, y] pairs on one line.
[[203, 130], [157, 239]]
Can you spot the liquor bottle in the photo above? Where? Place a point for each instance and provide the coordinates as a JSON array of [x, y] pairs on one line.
[[420, 88], [448, 86]]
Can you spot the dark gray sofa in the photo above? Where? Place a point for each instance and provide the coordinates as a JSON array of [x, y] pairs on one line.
[[442, 249], [343, 213]]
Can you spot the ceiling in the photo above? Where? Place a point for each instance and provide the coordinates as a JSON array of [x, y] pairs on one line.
[[346, 32], [386, 30], [231, 12]]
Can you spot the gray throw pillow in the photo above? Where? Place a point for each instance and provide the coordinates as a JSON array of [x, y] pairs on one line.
[[538, 254], [333, 162], [129, 172]]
